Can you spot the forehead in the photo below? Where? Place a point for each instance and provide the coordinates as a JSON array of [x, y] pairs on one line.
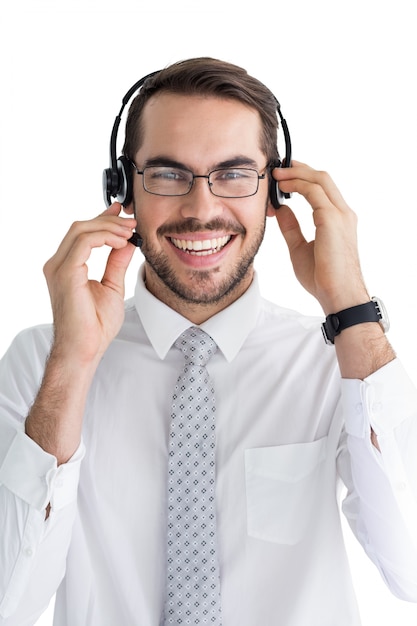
[[197, 129]]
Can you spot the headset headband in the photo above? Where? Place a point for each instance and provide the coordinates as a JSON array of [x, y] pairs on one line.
[[116, 178]]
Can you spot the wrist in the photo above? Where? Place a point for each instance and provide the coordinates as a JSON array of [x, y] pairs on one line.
[[342, 301], [372, 312], [74, 360], [55, 419], [362, 350]]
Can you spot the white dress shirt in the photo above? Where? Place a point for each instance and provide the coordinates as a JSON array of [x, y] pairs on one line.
[[293, 439]]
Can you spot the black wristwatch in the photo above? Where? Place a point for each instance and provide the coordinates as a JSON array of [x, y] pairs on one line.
[[373, 311]]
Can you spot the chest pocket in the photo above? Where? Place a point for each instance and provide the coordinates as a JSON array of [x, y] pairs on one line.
[[282, 484]]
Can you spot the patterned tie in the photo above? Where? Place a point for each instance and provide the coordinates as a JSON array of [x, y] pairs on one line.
[[193, 586]]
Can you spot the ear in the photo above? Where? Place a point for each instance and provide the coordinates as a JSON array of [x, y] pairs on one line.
[[270, 209], [129, 209]]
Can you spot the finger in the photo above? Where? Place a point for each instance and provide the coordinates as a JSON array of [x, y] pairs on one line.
[[81, 250], [296, 167], [290, 227], [67, 265], [300, 176], [107, 221]]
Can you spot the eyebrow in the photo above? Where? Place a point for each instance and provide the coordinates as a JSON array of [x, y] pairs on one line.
[[236, 161]]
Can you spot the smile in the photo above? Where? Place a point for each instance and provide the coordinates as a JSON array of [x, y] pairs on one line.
[[201, 247]]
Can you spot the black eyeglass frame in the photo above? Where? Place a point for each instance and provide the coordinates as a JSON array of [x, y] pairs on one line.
[[194, 176]]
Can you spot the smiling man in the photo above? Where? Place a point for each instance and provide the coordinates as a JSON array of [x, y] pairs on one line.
[[180, 457], [199, 247]]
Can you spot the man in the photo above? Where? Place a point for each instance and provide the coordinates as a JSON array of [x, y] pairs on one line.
[[88, 405]]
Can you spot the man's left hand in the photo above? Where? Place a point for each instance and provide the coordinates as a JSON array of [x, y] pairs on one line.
[[328, 267]]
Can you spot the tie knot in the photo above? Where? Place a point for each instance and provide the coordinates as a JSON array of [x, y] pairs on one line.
[[196, 345]]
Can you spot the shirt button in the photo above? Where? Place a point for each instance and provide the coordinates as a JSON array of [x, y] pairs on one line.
[[401, 486], [28, 552], [59, 483]]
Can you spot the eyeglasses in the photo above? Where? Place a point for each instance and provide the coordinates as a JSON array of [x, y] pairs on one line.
[[228, 182]]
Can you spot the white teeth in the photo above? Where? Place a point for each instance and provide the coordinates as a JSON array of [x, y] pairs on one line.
[[201, 247]]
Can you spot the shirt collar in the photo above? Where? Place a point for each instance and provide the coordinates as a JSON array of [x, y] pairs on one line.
[[229, 328]]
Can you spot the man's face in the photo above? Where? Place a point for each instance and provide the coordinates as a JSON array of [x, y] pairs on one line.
[[199, 248]]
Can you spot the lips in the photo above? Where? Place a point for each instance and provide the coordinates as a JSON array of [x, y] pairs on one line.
[[201, 247]]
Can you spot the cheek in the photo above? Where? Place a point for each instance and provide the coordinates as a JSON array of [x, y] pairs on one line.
[[253, 216], [149, 218]]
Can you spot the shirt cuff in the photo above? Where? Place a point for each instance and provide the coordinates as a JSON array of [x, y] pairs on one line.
[[386, 401], [33, 474], [381, 401]]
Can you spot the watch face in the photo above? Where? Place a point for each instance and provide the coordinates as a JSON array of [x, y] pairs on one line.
[[384, 321]]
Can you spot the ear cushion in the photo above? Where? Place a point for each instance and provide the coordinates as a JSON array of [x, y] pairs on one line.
[[274, 193], [125, 181], [108, 185]]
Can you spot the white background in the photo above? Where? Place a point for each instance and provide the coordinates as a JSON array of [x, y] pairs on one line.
[[344, 73]]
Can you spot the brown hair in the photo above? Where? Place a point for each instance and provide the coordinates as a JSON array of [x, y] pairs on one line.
[[207, 77]]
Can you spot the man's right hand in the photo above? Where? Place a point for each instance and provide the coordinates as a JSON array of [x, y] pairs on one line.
[[88, 314]]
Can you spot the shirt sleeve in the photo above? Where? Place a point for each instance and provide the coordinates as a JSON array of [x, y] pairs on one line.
[[381, 505], [32, 550]]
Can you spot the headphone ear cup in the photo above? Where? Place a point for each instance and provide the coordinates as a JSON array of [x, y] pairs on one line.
[[125, 177], [109, 184], [118, 183], [274, 193], [277, 196]]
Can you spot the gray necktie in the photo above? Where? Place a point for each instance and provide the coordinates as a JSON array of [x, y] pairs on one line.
[[193, 586]]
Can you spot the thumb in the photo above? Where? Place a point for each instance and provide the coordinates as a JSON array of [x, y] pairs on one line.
[[117, 264]]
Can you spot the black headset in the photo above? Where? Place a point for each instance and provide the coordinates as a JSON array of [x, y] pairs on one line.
[[117, 179]]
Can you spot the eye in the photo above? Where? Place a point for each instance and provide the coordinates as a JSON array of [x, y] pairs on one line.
[[232, 174], [168, 174]]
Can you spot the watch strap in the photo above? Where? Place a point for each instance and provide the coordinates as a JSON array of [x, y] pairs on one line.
[[360, 314]]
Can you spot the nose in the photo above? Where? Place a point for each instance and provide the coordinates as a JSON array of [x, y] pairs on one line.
[[200, 203]]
